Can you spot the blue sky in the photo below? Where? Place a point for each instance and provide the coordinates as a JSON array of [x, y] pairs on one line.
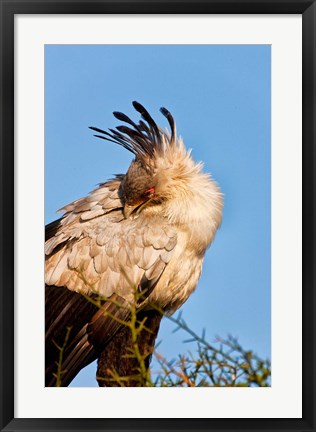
[[220, 96]]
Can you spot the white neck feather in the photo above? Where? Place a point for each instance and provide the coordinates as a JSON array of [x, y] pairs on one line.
[[194, 202]]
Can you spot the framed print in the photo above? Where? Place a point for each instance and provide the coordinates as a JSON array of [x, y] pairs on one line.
[[237, 79]]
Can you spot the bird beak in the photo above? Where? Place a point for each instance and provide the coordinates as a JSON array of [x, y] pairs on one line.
[[128, 210]]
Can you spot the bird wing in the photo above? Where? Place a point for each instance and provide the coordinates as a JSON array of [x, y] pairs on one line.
[[77, 328], [96, 263]]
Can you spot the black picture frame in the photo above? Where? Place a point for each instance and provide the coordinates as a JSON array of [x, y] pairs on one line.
[[8, 10]]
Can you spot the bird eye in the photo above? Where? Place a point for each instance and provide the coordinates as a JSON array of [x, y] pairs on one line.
[[149, 191]]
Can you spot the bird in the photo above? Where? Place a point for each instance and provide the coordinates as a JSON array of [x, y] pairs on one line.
[[133, 247]]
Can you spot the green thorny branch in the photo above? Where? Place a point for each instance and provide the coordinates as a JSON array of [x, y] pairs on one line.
[[225, 363], [58, 375], [222, 364]]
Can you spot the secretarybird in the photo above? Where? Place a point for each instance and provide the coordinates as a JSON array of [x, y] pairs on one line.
[[137, 242]]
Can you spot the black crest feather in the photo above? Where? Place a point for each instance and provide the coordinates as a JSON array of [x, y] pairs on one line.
[[170, 119], [141, 139]]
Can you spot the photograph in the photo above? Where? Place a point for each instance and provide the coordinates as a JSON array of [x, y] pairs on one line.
[[158, 215]]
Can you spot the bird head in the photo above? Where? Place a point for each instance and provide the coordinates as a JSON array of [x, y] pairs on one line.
[[138, 187], [144, 182], [162, 177]]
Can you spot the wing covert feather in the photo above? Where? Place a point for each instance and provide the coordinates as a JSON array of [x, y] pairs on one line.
[[102, 251]]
